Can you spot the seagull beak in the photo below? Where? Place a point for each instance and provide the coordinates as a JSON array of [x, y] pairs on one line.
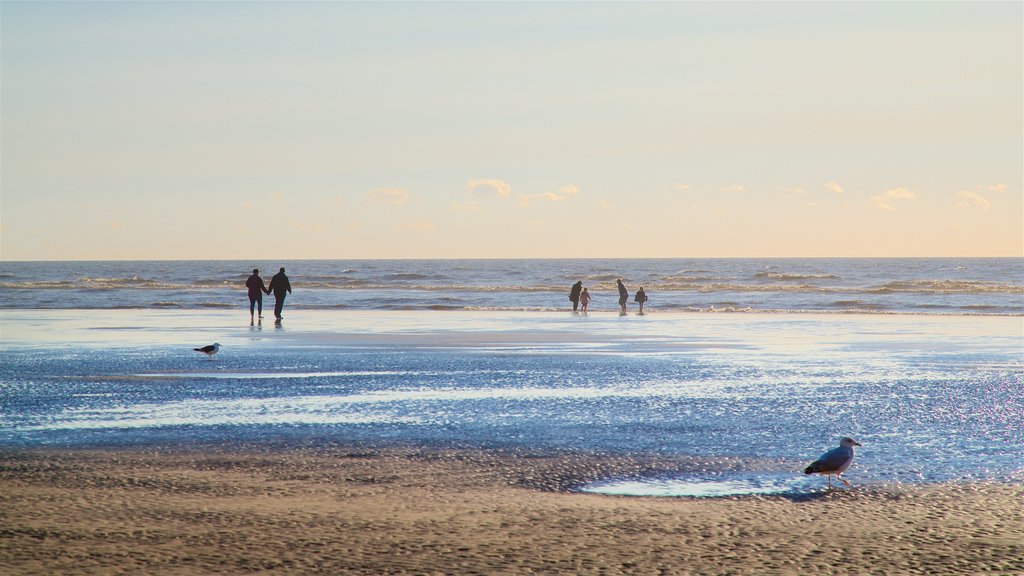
[[855, 443]]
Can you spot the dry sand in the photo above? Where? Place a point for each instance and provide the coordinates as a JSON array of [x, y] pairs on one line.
[[337, 510]]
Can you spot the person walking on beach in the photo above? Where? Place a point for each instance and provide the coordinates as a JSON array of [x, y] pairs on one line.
[[280, 286], [623, 296], [584, 300], [574, 294], [641, 297], [256, 292]]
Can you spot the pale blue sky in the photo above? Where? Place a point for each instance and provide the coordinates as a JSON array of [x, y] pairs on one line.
[[363, 130]]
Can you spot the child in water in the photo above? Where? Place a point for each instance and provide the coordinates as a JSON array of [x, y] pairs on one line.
[[585, 299], [641, 297]]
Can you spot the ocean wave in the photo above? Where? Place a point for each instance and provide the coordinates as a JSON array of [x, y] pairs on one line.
[[946, 287], [859, 305], [686, 279], [132, 281], [593, 277], [37, 285], [410, 276], [791, 277]]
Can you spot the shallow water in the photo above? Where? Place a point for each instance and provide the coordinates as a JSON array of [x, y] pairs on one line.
[[932, 398]]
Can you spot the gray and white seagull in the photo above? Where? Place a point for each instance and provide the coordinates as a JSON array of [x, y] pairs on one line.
[[835, 461], [209, 350]]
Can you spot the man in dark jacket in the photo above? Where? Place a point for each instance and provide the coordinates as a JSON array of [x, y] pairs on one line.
[[280, 286], [256, 290], [623, 296], [574, 294]]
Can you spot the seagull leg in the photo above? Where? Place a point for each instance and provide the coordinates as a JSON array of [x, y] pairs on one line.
[[829, 482], [845, 481]]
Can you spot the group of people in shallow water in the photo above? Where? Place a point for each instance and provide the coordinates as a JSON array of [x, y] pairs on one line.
[[279, 285], [580, 297]]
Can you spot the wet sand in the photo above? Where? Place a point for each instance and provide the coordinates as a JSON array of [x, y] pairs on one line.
[[345, 510]]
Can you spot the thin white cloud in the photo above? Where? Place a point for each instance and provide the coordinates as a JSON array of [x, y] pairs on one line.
[[490, 187], [560, 195], [464, 207], [389, 196], [972, 200], [734, 188], [994, 187], [681, 187], [885, 201], [605, 204], [792, 191], [834, 187]]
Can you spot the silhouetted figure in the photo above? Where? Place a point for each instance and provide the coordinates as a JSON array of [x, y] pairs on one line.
[[280, 286], [584, 300], [623, 295], [256, 292], [640, 298], [574, 295]]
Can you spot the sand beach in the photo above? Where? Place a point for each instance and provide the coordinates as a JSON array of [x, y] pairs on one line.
[[459, 443], [342, 510]]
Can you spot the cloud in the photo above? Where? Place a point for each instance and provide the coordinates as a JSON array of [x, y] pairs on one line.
[[994, 187], [972, 200], [420, 226], [792, 191], [490, 187], [389, 196], [733, 188], [834, 187], [560, 195], [885, 200], [681, 187], [606, 204], [464, 207]]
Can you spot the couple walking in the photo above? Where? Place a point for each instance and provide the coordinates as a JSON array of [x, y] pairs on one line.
[[279, 285]]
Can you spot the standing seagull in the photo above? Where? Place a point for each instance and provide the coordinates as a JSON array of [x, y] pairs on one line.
[[209, 350], [835, 461]]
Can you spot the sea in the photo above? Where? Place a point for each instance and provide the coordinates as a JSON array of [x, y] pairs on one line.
[[826, 285], [747, 368]]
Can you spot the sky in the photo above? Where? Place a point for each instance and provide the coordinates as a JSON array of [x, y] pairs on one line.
[[288, 130]]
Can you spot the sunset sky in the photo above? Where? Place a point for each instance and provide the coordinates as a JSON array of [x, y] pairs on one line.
[[451, 130]]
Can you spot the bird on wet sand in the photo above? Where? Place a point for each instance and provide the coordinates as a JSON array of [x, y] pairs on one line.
[[835, 461], [209, 350]]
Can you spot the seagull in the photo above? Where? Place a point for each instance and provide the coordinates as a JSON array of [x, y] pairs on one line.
[[209, 350], [835, 461]]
